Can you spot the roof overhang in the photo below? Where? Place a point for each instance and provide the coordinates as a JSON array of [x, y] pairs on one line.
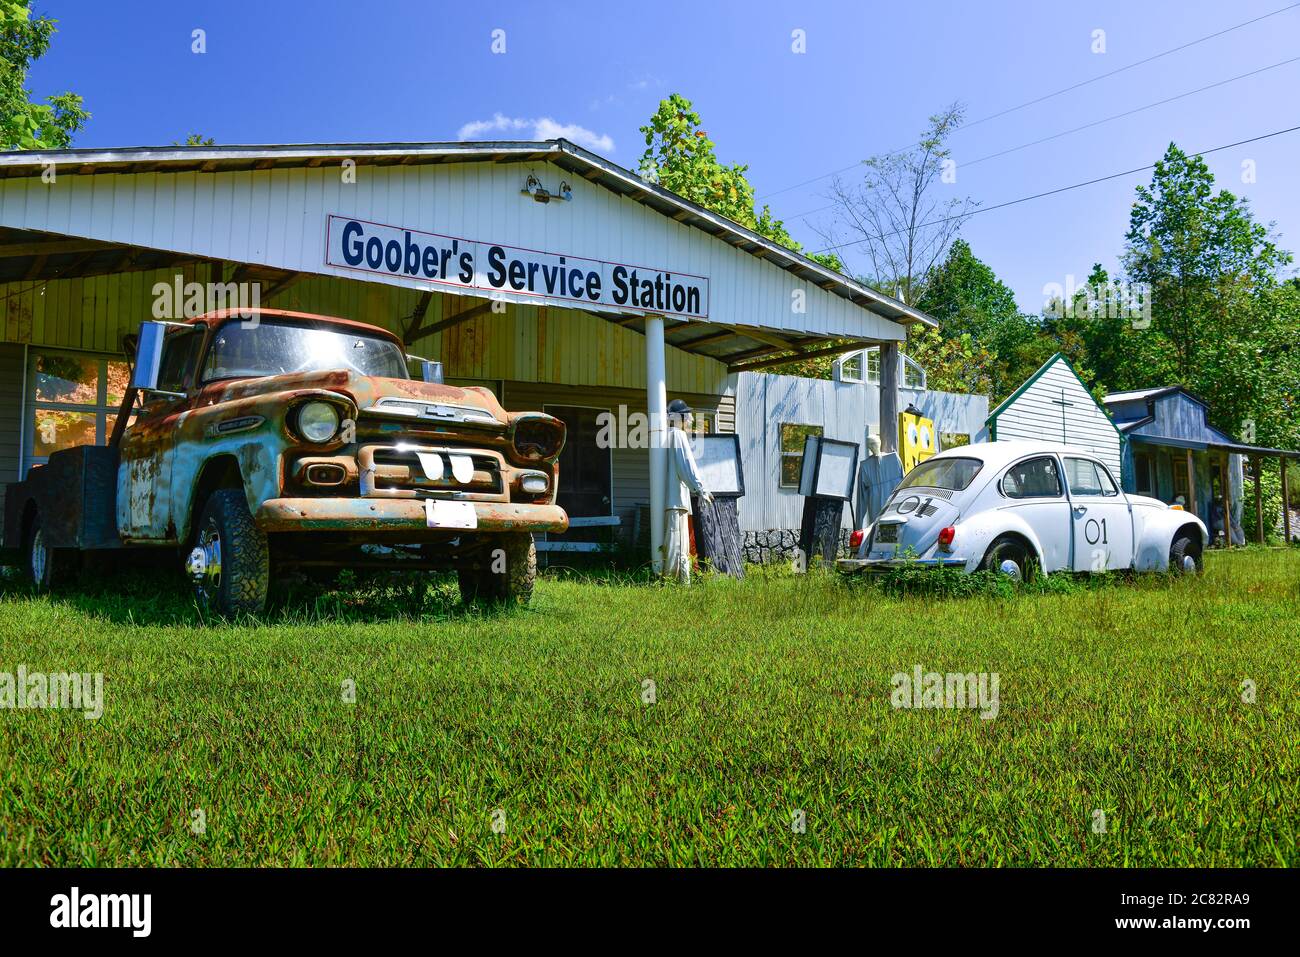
[[562, 153]]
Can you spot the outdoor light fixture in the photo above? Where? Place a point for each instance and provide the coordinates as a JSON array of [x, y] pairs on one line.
[[533, 187]]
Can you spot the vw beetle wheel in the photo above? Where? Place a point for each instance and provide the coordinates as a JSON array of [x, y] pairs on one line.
[[1185, 556], [1008, 557]]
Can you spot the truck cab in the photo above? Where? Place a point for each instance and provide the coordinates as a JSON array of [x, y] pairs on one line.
[[261, 441]]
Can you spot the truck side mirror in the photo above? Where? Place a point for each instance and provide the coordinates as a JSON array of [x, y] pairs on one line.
[[148, 355], [430, 369]]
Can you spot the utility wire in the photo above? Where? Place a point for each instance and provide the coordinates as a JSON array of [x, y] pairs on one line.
[[1048, 96], [1087, 126], [1052, 192]]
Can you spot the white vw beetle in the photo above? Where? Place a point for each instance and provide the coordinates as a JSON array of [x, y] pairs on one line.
[[1013, 506]]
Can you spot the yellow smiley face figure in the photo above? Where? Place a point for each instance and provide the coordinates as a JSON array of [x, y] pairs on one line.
[[917, 433]]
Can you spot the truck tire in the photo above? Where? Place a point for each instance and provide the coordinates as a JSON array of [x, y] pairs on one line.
[[511, 586], [1185, 555], [230, 564], [47, 566], [1008, 556]]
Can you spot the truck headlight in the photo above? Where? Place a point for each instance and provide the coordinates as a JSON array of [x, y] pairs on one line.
[[534, 483], [318, 421]]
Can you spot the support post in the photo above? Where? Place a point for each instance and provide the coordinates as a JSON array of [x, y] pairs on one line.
[[1255, 466], [1286, 507], [889, 361], [1226, 488], [1191, 483], [657, 407]]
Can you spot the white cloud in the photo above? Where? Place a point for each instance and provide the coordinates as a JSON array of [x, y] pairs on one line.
[[541, 128]]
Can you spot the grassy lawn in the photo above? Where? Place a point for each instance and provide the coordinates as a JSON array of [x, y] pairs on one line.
[[773, 696]]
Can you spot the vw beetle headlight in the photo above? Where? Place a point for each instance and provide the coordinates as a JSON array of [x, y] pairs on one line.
[[318, 421]]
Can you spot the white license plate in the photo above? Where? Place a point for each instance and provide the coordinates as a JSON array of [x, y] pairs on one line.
[[887, 534], [439, 514]]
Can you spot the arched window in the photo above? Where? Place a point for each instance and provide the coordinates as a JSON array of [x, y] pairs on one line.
[[864, 366]]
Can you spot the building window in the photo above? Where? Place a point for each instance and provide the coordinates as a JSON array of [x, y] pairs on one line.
[[913, 374], [953, 440], [792, 440], [1142, 473], [851, 367], [73, 400]]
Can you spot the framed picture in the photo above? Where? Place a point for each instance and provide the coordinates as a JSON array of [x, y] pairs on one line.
[[830, 468], [718, 458]]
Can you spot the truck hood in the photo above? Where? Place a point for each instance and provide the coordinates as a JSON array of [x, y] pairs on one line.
[[370, 393]]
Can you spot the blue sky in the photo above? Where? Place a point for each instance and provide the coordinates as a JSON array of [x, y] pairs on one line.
[[330, 71]]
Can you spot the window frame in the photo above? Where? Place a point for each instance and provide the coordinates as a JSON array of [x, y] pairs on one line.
[[101, 408], [1060, 480], [780, 438]]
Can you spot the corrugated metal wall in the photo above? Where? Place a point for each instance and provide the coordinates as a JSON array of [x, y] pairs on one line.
[[843, 409], [1037, 415]]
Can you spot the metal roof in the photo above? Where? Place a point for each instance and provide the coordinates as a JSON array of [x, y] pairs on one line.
[[560, 152]]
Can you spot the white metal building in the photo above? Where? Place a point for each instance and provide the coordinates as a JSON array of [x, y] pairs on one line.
[[539, 269]]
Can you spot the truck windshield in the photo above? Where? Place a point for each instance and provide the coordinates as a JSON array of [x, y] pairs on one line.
[[953, 474], [241, 350]]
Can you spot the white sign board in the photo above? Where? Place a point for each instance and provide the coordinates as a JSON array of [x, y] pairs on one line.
[[829, 468], [718, 459], [494, 267]]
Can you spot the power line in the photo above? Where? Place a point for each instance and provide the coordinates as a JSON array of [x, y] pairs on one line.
[[1053, 192], [1139, 109], [1087, 126], [1048, 96]]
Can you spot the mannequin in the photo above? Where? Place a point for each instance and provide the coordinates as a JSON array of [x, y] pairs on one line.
[[683, 479], [878, 476]]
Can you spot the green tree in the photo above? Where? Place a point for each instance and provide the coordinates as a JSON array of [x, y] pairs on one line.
[[196, 139], [1222, 323], [25, 125], [679, 156], [1203, 256]]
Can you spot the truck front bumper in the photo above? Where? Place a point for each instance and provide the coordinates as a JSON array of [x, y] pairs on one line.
[[852, 566], [399, 515]]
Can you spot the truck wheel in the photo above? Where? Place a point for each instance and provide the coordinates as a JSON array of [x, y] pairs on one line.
[[513, 583], [1185, 555], [1009, 557], [230, 563], [48, 566]]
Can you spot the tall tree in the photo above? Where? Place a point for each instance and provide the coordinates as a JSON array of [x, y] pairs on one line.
[[898, 215], [679, 156], [25, 125], [1203, 256]]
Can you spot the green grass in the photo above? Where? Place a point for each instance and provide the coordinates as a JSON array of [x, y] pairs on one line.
[[773, 696]]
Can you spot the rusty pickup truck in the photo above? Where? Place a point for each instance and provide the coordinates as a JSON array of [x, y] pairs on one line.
[[252, 443]]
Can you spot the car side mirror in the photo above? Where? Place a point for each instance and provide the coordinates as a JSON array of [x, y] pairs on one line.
[[430, 369], [148, 355]]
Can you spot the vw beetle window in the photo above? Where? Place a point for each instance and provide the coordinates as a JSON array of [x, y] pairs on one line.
[[952, 474], [1081, 476], [1034, 478]]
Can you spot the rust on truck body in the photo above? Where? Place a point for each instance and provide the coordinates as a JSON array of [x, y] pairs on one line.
[[370, 481]]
